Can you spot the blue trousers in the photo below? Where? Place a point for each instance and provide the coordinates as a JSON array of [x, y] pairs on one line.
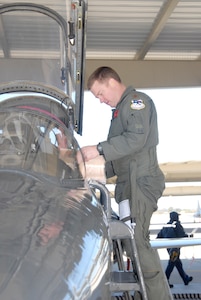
[[178, 264]]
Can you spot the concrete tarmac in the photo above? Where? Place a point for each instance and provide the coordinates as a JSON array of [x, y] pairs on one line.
[[190, 257], [191, 260]]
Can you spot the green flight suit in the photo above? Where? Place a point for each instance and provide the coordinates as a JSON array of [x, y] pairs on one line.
[[130, 153]]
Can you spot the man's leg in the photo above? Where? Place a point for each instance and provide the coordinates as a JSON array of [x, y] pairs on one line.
[[184, 276], [169, 270], [155, 280]]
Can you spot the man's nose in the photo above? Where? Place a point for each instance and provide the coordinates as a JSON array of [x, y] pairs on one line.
[[101, 99]]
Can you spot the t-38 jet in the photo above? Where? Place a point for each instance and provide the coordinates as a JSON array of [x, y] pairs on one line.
[[59, 236], [54, 229]]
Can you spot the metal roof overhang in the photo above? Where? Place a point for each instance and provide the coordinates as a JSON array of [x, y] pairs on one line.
[[152, 44], [182, 172]]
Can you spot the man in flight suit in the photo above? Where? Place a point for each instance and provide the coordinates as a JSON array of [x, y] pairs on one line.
[[130, 154]]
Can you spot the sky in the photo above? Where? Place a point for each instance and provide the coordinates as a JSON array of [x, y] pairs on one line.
[[179, 124]]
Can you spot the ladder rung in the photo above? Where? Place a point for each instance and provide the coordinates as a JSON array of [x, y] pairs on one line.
[[123, 281], [122, 276]]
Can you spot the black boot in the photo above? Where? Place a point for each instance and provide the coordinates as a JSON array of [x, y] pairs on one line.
[[171, 285], [188, 279]]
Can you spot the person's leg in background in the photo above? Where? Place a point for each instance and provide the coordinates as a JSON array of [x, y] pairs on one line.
[[184, 276], [168, 271]]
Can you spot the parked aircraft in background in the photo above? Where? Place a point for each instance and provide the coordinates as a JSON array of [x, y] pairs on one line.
[[197, 214]]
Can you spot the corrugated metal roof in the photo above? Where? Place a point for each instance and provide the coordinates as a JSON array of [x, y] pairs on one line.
[[137, 38], [137, 30], [144, 30]]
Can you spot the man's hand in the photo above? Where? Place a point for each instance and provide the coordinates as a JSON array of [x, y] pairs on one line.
[[61, 138], [89, 152]]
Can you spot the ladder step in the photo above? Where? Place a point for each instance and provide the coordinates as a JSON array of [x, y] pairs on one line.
[[123, 281], [119, 230]]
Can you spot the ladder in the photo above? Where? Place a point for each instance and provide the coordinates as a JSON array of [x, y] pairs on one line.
[[122, 280], [127, 282]]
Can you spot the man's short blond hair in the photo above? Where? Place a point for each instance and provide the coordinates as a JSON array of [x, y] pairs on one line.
[[102, 74]]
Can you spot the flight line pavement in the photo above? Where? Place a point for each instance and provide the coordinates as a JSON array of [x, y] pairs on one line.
[[191, 260]]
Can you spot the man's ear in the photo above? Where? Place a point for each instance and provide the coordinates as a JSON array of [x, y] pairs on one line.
[[112, 82]]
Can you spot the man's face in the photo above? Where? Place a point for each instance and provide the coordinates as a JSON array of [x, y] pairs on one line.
[[105, 92]]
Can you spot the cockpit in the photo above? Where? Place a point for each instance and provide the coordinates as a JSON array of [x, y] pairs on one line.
[[36, 141]]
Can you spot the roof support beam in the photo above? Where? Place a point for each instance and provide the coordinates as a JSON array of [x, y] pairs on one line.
[[184, 172], [158, 26], [152, 74], [175, 191], [189, 171], [182, 191]]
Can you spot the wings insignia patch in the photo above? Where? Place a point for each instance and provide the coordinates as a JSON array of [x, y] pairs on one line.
[[137, 104]]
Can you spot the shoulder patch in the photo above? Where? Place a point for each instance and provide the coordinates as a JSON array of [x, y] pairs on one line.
[[137, 104]]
